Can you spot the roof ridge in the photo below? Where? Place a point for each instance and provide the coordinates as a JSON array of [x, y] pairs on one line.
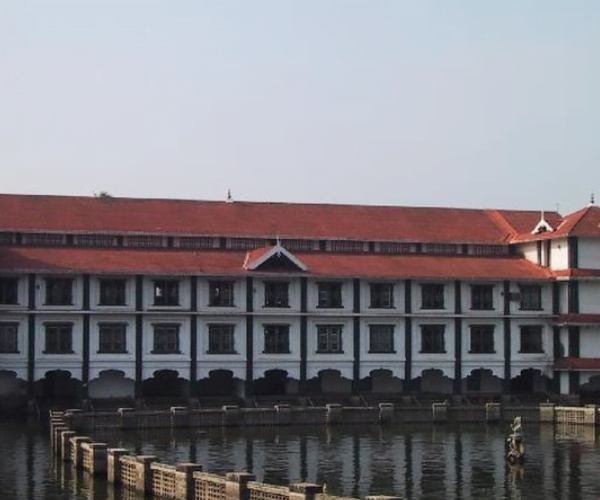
[[501, 222]]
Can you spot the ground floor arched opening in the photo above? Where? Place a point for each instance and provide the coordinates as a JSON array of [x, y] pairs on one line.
[[220, 387], [13, 392], [382, 381], [165, 388], [111, 389], [274, 383], [482, 382], [530, 382], [58, 389], [433, 383]]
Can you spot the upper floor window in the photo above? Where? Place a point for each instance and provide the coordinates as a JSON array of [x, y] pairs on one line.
[[482, 339], [277, 339], [8, 338], [432, 296], [382, 295], [221, 339], [112, 292], [59, 291], [166, 339], [112, 338], [482, 297], [330, 295], [432, 339], [531, 297], [329, 339], [381, 338], [394, 247], [59, 338], [441, 248], [347, 246], [276, 294], [220, 293], [9, 291], [531, 339], [166, 293]]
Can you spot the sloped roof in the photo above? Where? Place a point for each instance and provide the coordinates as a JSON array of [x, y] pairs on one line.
[[571, 363], [182, 262], [578, 319], [258, 219]]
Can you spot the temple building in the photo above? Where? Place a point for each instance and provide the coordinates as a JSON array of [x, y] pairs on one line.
[[106, 298]]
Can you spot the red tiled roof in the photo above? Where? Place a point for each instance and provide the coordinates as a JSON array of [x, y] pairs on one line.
[[578, 319], [255, 219], [523, 222], [585, 222], [570, 363], [577, 273], [107, 261]]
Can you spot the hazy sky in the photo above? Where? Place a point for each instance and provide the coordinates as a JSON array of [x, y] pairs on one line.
[[476, 103]]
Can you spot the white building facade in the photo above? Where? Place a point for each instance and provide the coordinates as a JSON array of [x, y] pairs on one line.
[[120, 298]]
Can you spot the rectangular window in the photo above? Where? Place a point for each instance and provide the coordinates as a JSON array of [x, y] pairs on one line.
[[166, 339], [166, 293], [531, 339], [220, 293], [531, 297], [112, 292], [432, 296], [482, 297], [9, 291], [276, 294], [330, 295], [112, 338], [382, 295], [482, 339], [441, 248], [393, 247], [347, 246], [432, 339], [381, 338], [329, 339], [59, 291], [96, 240], [221, 339], [277, 339], [59, 338], [8, 338]]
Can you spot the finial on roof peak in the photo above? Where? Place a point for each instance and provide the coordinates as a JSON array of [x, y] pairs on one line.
[[592, 199], [229, 197]]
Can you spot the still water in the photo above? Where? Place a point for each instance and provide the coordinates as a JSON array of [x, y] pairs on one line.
[[415, 462]]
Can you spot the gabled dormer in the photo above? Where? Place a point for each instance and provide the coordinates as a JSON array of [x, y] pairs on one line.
[[273, 258], [543, 226]]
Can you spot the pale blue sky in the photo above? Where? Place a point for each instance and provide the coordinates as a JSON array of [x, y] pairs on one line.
[[477, 103]]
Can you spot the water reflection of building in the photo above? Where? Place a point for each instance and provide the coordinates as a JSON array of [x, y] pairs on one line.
[[123, 298]]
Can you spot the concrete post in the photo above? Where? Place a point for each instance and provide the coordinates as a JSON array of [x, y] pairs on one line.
[[128, 418], [284, 414], [184, 480], [236, 485], [589, 417], [304, 491], [64, 445], [230, 415], [77, 451], [143, 483], [386, 413], [98, 453], [180, 416], [440, 412], [113, 464], [492, 412], [334, 413], [72, 418], [547, 412], [55, 439]]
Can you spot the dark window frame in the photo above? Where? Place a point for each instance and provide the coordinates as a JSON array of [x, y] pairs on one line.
[[381, 296], [9, 337], [482, 297], [482, 339], [112, 338], [59, 292], [330, 295], [531, 298], [166, 292], [531, 339], [276, 339], [433, 339], [329, 339], [112, 292], [9, 290], [58, 338], [381, 338], [221, 338], [277, 293], [221, 293], [432, 296], [165, 338]]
